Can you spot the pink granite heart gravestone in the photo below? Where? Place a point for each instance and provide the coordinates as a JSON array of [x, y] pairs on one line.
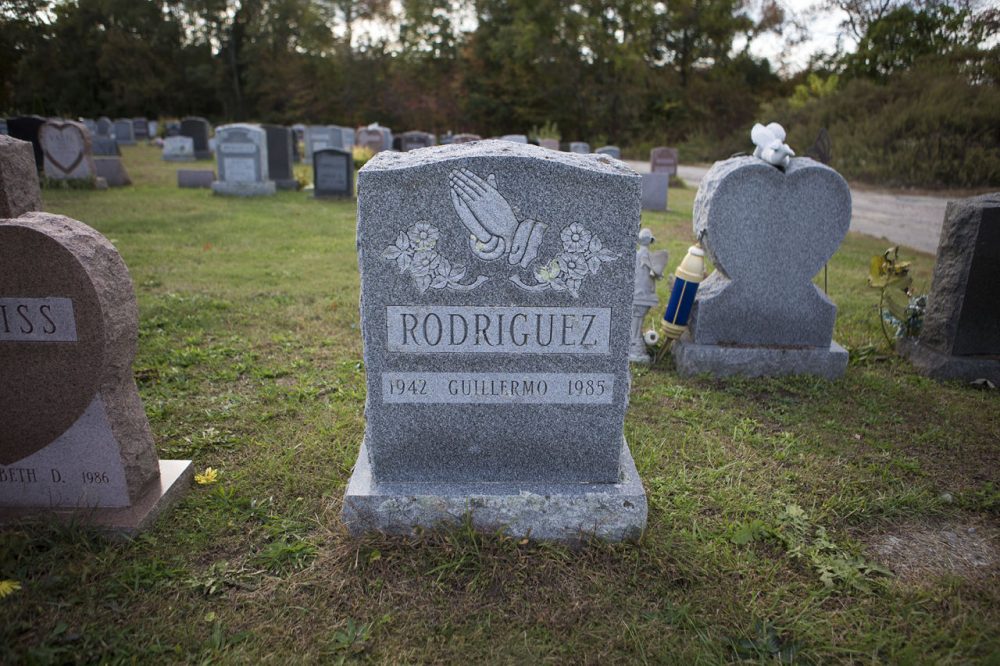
[[66, 146]]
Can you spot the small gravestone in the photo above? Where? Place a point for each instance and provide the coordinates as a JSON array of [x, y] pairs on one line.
[[154, 129], [26, 128], [198, 129], [374, 137], [497, 283], [333, 173], [19, 191], [550, 144], [654, 191], [140, 129], [112, 169], [580, 147], [173, 128], [124, 132], [612, 151], [178, 149], [105, 146], [514, 138], [67, 151], [663, 160], [960, 336], [318, 137], [195, 178], [242, 162], [416, 140], [279, 157], [91, 126], [104, 126], [768, 231], [75, 441], [466, 138]]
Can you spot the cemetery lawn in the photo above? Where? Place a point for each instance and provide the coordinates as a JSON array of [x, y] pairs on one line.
[[777, 507]]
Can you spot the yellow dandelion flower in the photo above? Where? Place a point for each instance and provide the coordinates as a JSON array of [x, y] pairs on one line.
[[207, 478], [8, 587]]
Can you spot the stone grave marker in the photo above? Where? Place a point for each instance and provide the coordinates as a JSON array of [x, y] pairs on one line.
[[416, 140], [75, 442], [198, 129], [960, 336], [140, 129], [497, 285], [112, 170], [242, 162], [19, 190], [768, 232], [173, 128], [318, 137], [105, 146], [550, 144], [466, 138], [26, 128], [195, 178], [279, 157], [654, 191], [663, 160], [580, 147], [66, 150], [124, 132], [91, 126], [104, 126], [154, 129], [612, 151], [374, 137], [178, 149], [333, 173], [514, 138]]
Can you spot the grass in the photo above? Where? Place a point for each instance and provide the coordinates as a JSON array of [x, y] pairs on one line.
[[764, 495]]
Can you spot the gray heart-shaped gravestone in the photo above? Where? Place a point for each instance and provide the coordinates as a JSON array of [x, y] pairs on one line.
[[768, 232], [67, 150]]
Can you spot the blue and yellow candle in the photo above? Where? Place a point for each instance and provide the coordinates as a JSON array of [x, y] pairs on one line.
[[687, 277]]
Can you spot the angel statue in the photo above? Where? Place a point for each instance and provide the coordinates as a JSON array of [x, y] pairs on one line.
[[649, 267], [494, 229], [771, 146]]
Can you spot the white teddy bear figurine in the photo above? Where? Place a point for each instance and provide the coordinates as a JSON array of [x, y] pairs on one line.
[[771, 146]]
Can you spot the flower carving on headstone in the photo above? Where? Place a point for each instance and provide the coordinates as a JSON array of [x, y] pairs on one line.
[[582, 255], [415, 252]]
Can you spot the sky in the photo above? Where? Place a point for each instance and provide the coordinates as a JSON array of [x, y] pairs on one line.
[[823, 27]]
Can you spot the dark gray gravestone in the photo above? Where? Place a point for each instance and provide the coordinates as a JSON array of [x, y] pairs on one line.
[[663, 160], [242, 159], [19, 191], [198, 129], [960, 337], [112, 170], [497, 286], [140, 129], [104, 126], [195, 178], [26, 128], [333, 173], [75, 439], [90, 124], [416, 140], [279, 157], [581, 147], [173, 128], [106, 146], [374, 137], [124, 132]]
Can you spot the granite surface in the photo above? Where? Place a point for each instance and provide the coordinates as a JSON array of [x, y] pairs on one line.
[[19, 189], [497, 284], [655, 188], [720, 361]]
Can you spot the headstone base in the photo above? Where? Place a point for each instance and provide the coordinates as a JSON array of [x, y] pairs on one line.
[[934, 364], [175, 480], [264, 189], [693, 359], [564, 512], [639, 356], [289, 184], [113, 171], [199, 178]]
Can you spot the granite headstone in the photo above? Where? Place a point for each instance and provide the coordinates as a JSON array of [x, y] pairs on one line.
[[654, 191], [140, 129], [374, 137], [67, 151], [242, 162], [279, 157], [198, 129], [466, 138], [195, 178], [19, 190], [105, 127], [549, 144], [178, 149], [496, 298], [75, 442], [124, 132], [112, 169], [26, 128], [613, 151], [663, 160], [768, 232], [105, 146], [515, 138], [580, 147], [333, 173], [415, 140]]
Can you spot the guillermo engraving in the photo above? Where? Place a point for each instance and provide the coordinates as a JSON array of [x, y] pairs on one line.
[[511, 330], [500, 388], [37, 320]]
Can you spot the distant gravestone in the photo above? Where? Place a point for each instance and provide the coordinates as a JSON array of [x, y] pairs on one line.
[[279, 157], [75, 441], [242, 162], [580, 147], [105, 146], [198, 129], [654, 191], [374, 138], [612, 151], [113, 171], [140, 129], [663, 160], [514, 138], [466, 138], [960, 336], [178, 149], [67, 151], [768, 232], [416, 140], [550, 144], [26, 128], [154, 129], [105, 127], [124, 132], [497, 285], [19, 191], [91, 126], [195, 178], [333, 173], [173, 128]]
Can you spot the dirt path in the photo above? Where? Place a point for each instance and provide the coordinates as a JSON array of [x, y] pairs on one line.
[[903, 219]]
